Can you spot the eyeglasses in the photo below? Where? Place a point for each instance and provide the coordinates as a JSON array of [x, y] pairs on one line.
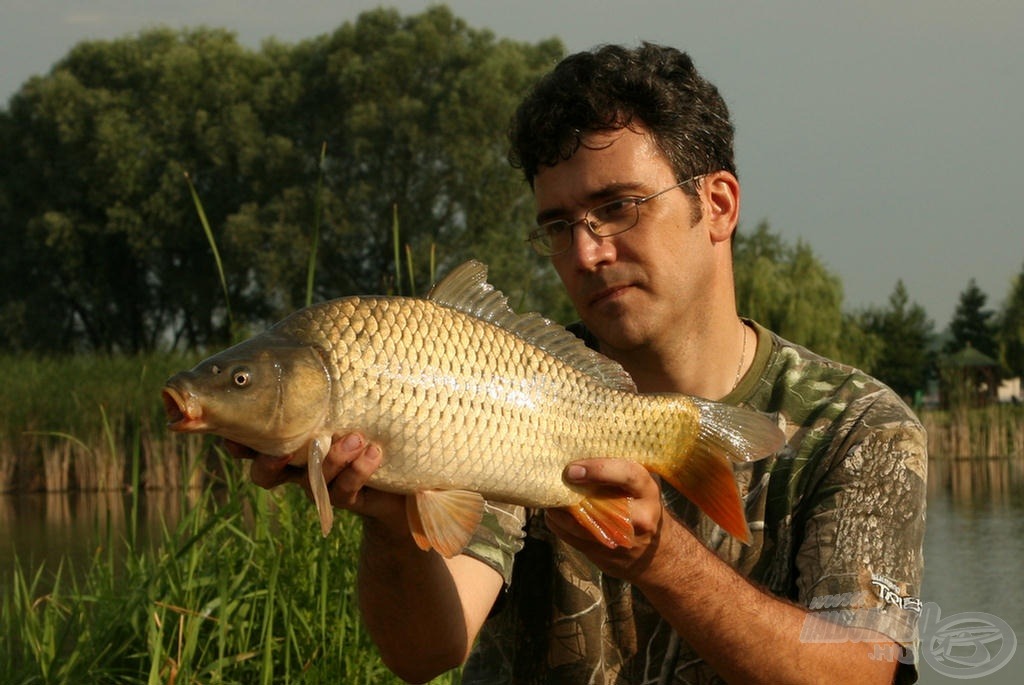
[[611, 218]]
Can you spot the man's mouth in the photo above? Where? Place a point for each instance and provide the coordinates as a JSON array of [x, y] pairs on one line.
[[607, 294]]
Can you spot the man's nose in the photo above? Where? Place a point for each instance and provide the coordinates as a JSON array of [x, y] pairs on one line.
[[588, 250]]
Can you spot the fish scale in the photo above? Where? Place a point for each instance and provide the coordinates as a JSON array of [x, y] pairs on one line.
[[468, 401]]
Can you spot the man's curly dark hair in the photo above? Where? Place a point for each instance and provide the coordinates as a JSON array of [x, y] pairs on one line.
[[613, 87]]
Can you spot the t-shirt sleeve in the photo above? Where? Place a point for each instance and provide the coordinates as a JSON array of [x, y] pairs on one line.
[[498, 537], [861, 559]]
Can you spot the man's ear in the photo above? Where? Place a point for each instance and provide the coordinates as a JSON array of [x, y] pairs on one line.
[[721, 191]]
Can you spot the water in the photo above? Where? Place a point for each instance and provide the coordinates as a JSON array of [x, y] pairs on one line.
[[974, 545], [974, 551], [44, 528]]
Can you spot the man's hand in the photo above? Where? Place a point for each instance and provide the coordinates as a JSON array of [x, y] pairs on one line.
[[646, 513], [347, 468]]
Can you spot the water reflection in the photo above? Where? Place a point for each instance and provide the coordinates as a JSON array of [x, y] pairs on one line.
[[988, 481], [974, 547], [44, 528]]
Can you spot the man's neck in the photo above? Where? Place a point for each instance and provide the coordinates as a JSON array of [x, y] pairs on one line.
[[706, 364]]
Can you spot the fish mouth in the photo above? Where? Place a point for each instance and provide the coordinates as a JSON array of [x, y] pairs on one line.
[[182, 409]]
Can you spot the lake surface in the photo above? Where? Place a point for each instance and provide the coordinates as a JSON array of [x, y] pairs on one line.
[[974, 553]]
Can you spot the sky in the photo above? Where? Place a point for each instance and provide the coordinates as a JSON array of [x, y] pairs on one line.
[[884, 134]]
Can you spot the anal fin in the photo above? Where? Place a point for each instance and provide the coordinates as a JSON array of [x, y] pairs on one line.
[[607, 518], [707, 480], [444, 520]]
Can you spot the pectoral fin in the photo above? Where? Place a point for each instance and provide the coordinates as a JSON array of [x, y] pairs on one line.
[[444, 520], [317, 451], [607, 518]]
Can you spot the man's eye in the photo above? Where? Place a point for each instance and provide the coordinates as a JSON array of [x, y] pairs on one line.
[[617, 207]]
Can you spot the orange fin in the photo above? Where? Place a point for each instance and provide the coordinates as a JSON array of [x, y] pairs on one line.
[[607, 519], [444, 520], [707, 480], [727, 434]]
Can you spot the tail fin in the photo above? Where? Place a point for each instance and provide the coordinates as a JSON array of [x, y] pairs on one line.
[[704, 475]]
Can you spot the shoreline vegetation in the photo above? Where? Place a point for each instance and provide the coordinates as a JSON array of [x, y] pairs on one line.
[[242, 589]]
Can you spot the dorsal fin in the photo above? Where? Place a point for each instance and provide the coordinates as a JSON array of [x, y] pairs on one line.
[[465, 288]]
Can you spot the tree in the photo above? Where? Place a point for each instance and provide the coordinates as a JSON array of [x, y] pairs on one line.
[[972, 324], [905, 332], [1010, 331], [789, 290], [414, 113], [99, 151], [104, 247]]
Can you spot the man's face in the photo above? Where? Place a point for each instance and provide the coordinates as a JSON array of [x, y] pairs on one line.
[[635, 289]]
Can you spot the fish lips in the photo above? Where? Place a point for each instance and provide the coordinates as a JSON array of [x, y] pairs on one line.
[[184, 413]]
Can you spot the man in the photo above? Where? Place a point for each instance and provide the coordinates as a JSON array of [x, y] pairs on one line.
[[629, 154]]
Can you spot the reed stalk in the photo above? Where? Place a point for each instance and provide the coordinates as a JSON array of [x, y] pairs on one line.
[[996, 431], [8, 462]]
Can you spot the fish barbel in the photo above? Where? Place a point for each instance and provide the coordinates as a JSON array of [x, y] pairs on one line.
[[468, 401]]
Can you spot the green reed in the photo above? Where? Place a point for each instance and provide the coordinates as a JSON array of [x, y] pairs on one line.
[[74, 422], [243, 590], [995, 431]]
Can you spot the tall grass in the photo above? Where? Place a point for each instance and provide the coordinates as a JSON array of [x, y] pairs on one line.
[[243, 590], [994, 431], [88, 422]]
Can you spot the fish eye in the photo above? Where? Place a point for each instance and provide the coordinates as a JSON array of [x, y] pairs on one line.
[[240, 377]]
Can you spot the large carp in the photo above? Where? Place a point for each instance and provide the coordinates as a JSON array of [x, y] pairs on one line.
[[468, 400]]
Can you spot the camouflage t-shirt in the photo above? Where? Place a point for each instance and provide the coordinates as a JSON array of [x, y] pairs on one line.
[[837, 519]]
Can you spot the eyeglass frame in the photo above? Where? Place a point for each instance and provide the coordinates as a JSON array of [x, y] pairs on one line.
[[539, 232]]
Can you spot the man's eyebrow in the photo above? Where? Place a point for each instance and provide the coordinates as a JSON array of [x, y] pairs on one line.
[[608, 192]]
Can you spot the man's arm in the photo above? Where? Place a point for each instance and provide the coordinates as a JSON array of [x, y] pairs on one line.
[[744, 633], [423, 611]]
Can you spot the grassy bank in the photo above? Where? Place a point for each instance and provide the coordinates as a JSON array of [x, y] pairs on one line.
[[244, 590], [90, 422]]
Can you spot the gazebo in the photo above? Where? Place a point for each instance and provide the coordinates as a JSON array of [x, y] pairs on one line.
[[970, 375]]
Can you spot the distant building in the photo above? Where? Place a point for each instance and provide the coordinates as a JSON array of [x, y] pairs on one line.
[[1009, 391], [970, 377]]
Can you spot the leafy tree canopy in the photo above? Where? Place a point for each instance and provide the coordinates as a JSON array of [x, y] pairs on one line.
[[1011, 327], [786, 288], [103, 246], [904, 360]]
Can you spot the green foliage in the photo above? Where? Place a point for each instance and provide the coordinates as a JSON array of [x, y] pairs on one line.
[[904, 360], [1011, 328], [244, 590], [789, 290], [972, 323], [99, 150], [104, 250]]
